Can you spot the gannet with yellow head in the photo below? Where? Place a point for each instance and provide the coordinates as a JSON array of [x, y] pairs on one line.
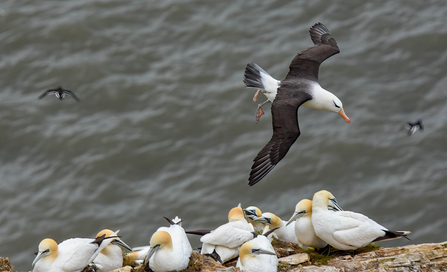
[[48, 251], [226, 239], [254, 258], [169, 248], [346, 230], [111, 257], [283, 232], [251, 213], [304, 229], [72, 255]]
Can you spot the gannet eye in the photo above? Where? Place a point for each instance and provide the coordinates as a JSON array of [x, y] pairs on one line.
[[336, 104], [250, 212]]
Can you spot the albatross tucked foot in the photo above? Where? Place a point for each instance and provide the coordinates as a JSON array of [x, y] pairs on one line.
[[255, 97], [260, 111]]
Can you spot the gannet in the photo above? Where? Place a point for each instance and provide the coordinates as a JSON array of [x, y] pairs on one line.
[[304, 229], [111, 257], [300, 87], [251, 213], [346, 230], [223, 243], [169, 248], [45, 256], [59, 93], [72, 255], [284, 231], [254, 258]]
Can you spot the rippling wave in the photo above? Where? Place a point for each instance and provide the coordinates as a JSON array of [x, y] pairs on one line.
[[165, 126]]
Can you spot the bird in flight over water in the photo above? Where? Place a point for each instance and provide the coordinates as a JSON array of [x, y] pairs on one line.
[[413, 127], [300, 87], [60, 93]]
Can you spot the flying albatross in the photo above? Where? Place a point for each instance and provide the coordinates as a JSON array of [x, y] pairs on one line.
[[300, 87]]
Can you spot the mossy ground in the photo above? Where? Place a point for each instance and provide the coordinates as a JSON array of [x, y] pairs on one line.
[[283, 248]]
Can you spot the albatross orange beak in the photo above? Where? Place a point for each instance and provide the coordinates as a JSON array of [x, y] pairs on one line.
[[343, 114]]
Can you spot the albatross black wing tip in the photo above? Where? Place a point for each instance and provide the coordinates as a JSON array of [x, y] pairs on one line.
[[257, 175], [321, 35]]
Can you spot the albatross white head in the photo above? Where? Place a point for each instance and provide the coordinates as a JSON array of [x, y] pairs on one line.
[[48, 251], [325, 100]]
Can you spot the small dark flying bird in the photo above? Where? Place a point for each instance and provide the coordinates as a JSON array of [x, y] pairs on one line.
[[60, 93], [299, 88], [413, 127]]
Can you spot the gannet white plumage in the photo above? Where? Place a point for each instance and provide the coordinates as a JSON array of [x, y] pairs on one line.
[[226, 239], [169, 248], [111, 257], [346, 230], [304, 229], [284, 231], [254, 258], [72, 255], [299, 88], [251, 213]]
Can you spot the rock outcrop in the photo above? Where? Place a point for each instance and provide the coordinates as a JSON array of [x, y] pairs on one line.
[[423, 257]]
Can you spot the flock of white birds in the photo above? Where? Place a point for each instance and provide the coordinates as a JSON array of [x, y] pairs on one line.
[[315, 223]]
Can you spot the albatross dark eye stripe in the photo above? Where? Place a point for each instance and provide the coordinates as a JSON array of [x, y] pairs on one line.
[[336, 105]]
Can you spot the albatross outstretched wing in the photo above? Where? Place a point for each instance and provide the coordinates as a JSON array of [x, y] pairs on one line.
[[307, 62], [285, 132]]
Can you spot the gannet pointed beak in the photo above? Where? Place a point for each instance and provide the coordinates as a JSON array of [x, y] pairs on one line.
[[295, 216], [122, 245], [261, 220], [335, 206], [39, 256], [151, 252], [343, 114], [264, 251], [250, 214]]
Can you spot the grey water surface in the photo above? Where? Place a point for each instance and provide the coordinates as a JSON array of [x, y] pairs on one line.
[[166, 127]]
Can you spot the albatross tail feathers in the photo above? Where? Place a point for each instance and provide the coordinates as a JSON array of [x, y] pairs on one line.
[[256, 77]]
